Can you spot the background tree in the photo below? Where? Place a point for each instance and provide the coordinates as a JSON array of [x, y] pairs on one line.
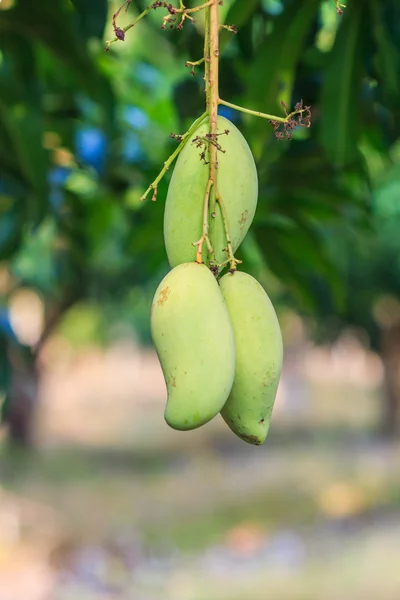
[[83, 132]]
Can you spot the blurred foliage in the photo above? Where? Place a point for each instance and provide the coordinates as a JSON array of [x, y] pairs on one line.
[[83, 132]]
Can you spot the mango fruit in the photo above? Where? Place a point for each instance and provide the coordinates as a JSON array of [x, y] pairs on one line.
[[237, 184], [194, 340], [259, 355]]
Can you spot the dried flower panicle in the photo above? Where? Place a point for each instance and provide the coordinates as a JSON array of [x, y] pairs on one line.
[[300, 117], [204, 141], [214, 268], [231, 28], [177, 137], [176, 17], [192, 67]]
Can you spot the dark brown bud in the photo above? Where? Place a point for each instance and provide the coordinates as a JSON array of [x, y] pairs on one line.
[[120, 33]]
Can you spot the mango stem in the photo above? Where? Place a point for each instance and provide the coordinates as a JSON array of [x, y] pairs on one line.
[[205, 237], [232, 261], [212, 45], [211, 56]]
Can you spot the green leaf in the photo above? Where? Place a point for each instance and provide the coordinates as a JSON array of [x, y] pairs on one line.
[[297, 254], [93, 16], [240, 12], [22, 124], [11, 226], [10, 167], [270, 77], [239, 15], [340, 100], [388, 59], [52, 24], [25, 129], [278, 56]]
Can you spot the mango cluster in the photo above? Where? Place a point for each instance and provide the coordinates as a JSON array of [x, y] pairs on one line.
[[218, 340]]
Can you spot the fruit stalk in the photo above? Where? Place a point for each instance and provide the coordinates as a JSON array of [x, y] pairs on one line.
[[212, 97], [261, 115], [211, 54], [205, 237], [232, 261], [208, 87], [207, 57], [213, 92]]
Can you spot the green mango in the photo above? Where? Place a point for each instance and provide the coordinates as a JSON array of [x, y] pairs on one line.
[[259, 355], [237, 184], [193, 336]]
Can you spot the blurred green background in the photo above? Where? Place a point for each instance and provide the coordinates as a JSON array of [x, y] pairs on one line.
[[99, 499]]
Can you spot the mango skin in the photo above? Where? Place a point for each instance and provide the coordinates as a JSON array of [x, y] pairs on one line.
[[259, 356], [193, 336], [237, 184]]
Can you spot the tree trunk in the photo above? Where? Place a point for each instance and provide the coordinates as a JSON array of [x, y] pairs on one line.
[[21, 401], [390, 354], [20, 405]]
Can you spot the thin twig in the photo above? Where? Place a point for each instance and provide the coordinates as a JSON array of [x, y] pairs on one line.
[[205, 237], [262, 115], [194, 64], [171, 159], [169, 19], [229, 248], [122, 30]]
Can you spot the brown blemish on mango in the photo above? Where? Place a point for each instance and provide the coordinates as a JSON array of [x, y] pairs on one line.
[[243, 219], [164, 296]]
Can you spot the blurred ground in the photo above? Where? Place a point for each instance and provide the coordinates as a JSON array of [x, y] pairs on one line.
[[113, 505]]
